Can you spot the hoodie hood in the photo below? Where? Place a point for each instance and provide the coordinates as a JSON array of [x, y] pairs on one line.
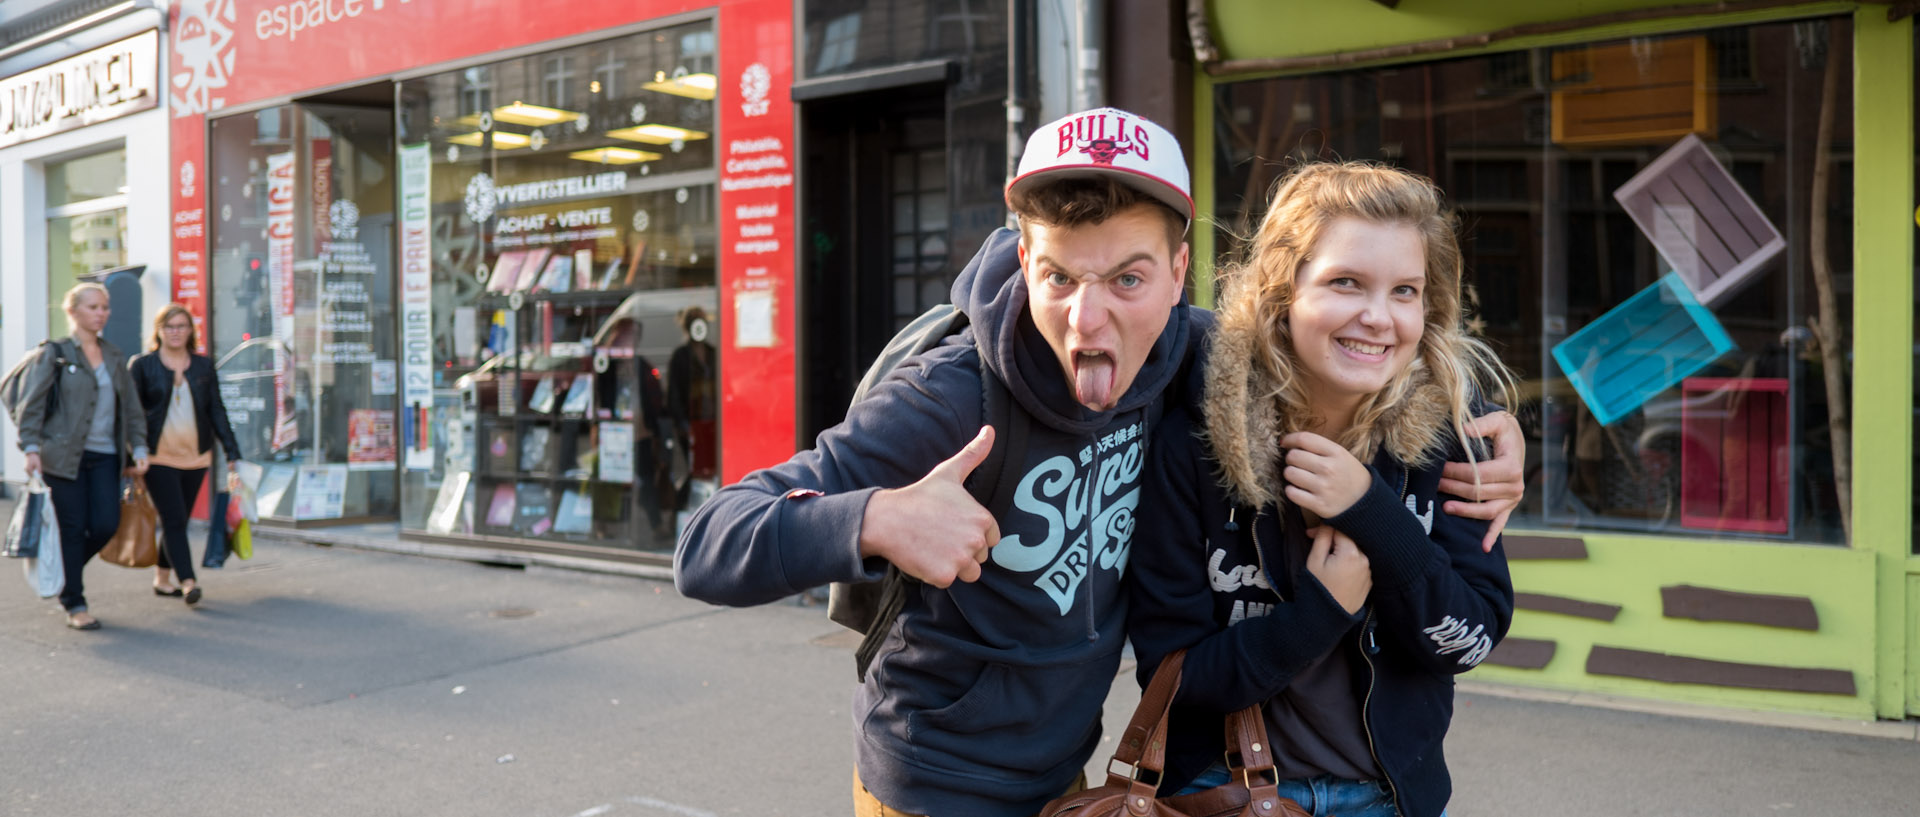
[[993, 294], [1243, 425]]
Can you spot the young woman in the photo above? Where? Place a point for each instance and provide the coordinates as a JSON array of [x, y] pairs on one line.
[[1299, 546], [80, 425], [184, 415]]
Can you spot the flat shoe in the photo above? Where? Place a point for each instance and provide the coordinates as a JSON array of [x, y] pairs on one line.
[[193, 596], [173, 592], [93, 624]]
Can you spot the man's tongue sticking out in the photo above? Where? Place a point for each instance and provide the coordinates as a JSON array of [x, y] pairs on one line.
[[1093, 380]]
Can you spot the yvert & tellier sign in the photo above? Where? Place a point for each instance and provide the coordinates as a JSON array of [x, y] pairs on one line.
[[102, 84]]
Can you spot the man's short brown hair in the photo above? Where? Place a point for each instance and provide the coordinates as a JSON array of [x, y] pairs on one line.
[[1074, 202]]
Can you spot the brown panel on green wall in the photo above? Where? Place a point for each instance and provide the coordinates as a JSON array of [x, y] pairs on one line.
[[1544, 547], [1566, 606], [1680, 669], [1522, 653], [1708, 604]]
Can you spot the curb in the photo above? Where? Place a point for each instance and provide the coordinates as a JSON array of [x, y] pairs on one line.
[[361, 539], [1890, 730]]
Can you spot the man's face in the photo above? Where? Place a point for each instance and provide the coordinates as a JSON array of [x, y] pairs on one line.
[[1101, 295]]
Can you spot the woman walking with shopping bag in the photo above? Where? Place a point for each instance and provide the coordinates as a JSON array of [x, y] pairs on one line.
[[92, 434], [181, 397]]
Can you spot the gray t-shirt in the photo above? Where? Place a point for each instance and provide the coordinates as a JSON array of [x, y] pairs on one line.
[[100, 432], [1316, 724]]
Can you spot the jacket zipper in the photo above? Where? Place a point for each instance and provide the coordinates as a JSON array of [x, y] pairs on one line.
[[1260, 553], [1368, 646]]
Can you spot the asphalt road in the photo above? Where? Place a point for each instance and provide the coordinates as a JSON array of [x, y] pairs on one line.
[[320, 681]]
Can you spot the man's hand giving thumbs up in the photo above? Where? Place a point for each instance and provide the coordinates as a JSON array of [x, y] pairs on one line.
[[933, 529]]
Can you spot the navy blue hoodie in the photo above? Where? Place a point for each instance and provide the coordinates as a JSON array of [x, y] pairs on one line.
[[985, 698], [1220, 570]]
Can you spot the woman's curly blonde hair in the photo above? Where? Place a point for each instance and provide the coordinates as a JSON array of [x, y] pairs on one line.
[[1258, 293]]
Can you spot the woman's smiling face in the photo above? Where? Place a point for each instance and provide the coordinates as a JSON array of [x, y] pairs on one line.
[[1358, 310]]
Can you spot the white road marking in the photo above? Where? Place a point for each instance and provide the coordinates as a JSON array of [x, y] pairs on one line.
[[670, 807]]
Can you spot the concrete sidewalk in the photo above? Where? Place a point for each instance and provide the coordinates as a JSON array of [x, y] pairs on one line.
[[332, 681]]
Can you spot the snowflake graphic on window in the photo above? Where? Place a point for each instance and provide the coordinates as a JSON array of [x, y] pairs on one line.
[[480, 199], [203, 51], [344, 218]]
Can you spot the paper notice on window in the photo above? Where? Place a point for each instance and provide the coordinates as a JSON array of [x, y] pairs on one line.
[[319, 492], [616, 452], [753, 320]]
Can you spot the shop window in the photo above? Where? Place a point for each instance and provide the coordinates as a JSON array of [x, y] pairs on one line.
[[574, 309], [86, 224], [1554, 182], [301, 305], [856, 35], [918, 181]]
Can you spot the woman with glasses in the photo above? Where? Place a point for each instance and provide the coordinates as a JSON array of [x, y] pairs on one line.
[[181, 396]]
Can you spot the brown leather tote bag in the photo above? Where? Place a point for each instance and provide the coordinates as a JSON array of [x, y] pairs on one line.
[[133, 544], [1143, 749]]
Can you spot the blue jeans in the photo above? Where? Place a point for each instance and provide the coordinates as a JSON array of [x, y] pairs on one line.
[[88, 510], [1323, 796]]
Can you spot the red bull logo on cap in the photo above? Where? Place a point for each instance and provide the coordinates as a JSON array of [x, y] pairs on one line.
[[1104, 137]]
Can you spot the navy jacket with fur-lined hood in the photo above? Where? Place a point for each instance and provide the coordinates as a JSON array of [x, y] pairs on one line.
[[985, 698], [1218, 569]]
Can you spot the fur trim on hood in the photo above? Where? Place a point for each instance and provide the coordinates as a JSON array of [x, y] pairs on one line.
[[1243, 426]]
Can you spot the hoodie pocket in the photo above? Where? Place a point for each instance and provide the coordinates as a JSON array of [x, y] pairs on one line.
[[1021, 720]]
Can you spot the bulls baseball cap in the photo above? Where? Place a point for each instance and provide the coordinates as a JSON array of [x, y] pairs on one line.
[[1107, 143]]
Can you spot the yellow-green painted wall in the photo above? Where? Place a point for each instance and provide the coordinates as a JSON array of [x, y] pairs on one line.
[[1913, 643], [1251, 29], [1867, 596], [1629, 572]]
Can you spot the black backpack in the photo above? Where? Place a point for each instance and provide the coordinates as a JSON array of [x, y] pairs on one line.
[[871, 607], [13, 387]]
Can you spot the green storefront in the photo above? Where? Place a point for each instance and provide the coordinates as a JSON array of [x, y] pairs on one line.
[[1690, 231]]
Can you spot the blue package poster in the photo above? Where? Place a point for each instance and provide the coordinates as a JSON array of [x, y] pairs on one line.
[[1641, 348]]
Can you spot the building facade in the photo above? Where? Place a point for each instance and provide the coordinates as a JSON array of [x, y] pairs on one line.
[[520, 278], [82, 180], [1690, 234]]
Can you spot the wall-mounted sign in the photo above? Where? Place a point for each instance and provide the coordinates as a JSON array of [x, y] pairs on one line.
[[106, 83]]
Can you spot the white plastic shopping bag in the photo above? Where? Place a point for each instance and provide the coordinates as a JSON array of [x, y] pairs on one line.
[[23, 533], [46, 573], [245, 486]]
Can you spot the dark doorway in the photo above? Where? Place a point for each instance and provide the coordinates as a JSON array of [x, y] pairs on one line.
[[876, 245]]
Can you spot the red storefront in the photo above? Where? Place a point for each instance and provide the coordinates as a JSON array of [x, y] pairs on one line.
[[506, 272]]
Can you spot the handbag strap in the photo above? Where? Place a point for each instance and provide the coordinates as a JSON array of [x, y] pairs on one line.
[[1247, 731], [1150, 715]]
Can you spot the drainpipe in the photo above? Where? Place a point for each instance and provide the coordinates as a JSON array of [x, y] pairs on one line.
[[1090, 33], [1019, 81]]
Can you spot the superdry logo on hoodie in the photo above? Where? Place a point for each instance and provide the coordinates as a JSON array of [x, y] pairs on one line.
[[1088, 508]]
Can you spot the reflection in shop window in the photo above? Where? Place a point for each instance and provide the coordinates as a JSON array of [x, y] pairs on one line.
[[1619, 222], [476, 90]]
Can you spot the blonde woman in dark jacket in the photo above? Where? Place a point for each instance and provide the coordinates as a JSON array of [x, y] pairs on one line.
[[81, 425], [184, 416]]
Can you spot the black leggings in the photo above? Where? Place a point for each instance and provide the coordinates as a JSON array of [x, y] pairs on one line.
[[88, 510], [174, 492]]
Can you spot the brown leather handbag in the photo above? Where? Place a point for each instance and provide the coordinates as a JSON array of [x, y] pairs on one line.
[[133, 544], [1251, 793]]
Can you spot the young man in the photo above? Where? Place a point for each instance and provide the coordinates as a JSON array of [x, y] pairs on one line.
[[985, 698]]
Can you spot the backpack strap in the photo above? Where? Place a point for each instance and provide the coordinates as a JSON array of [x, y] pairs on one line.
[[991, 485]]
